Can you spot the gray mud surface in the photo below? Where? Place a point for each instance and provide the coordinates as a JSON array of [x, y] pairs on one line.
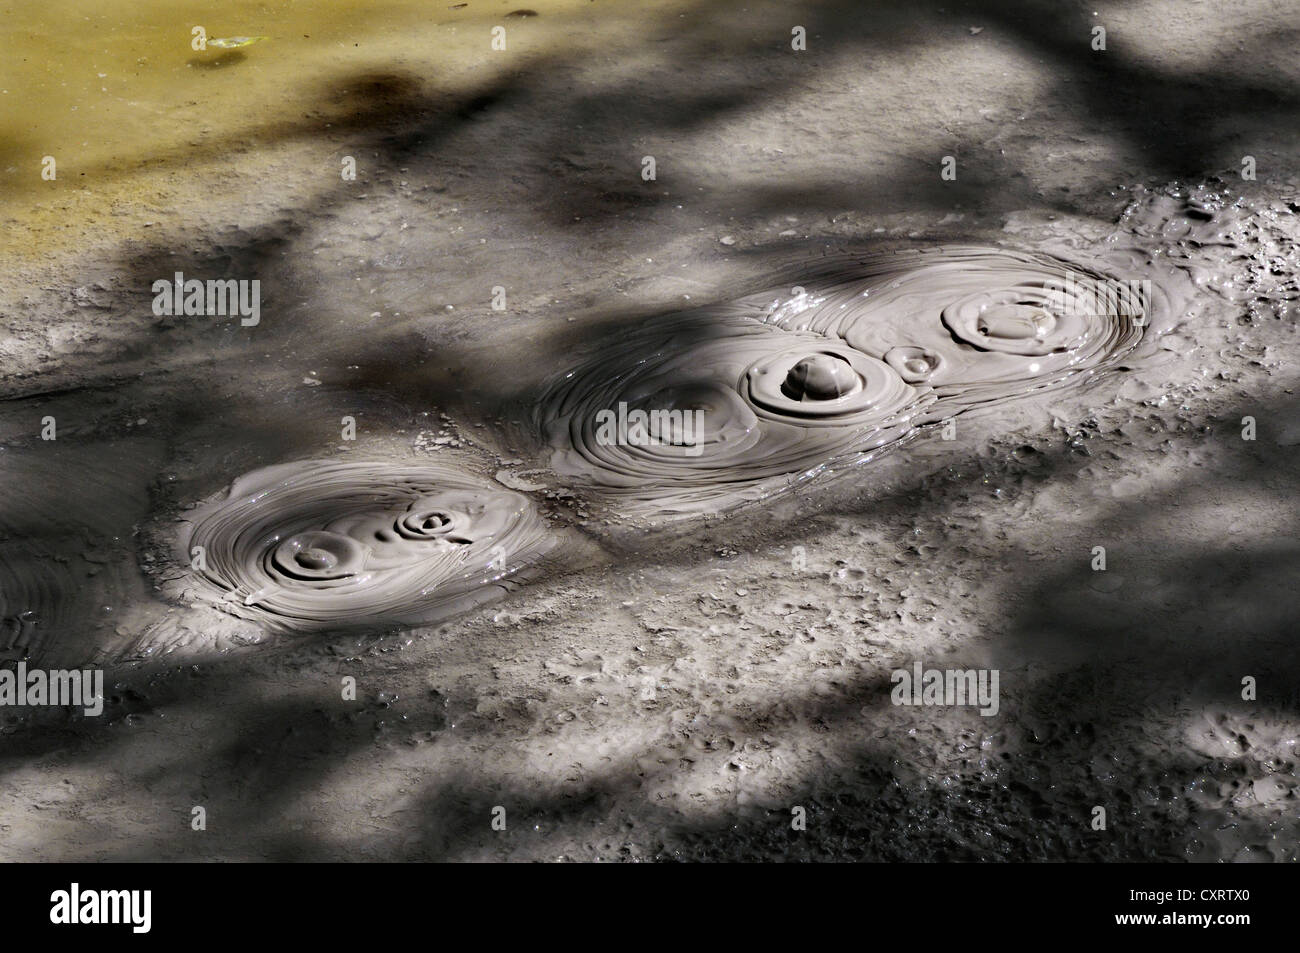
[[658, 687]]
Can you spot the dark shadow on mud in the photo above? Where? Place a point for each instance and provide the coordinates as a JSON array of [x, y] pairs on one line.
[[1175, 124], [1085, 664], [216, 62], [1158, 641]]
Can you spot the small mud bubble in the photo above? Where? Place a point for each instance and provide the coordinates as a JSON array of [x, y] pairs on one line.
[[914, 364], [1015, 321], [318, 555], [315, 559]]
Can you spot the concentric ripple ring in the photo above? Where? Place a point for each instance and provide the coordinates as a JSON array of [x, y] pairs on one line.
[[321, 544], [853, 355]]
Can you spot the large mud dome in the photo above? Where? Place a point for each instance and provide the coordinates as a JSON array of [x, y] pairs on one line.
[[957, 468], [745, 398]]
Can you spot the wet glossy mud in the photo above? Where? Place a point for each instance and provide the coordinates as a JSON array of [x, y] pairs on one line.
[[320, 544], [855, 354]]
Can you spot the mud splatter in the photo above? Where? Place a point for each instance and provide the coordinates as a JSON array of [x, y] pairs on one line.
[[1240, 248]]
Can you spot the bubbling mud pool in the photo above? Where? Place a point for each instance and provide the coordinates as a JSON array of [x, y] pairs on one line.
[[858, 355], [865, 353], [696, 411], [322, 545]]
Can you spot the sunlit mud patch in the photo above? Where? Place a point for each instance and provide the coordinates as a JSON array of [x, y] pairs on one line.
[[1244, 795], [1242, 248], [756, 394], [325, 545]]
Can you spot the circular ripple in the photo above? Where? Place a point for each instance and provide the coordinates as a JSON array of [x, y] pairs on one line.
[[316, 556], [847, 357], [733, 409], [828, 384], [914, 364], [327, 545], [974, 325], [1024, 320]]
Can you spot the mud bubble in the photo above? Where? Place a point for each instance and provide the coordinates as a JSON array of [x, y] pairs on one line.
[[851, 356], [320, 544]]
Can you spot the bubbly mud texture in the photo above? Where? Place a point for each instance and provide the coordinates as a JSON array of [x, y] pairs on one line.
[[858, 355], [319, 544]]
